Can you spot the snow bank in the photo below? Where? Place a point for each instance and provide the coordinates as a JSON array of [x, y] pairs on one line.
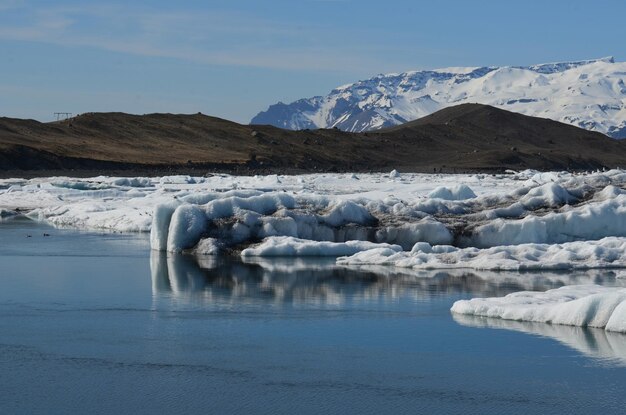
[[605, 253], [289, 246], [577, 305]]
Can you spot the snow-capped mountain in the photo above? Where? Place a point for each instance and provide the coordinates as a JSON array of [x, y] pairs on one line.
[[589, 94]]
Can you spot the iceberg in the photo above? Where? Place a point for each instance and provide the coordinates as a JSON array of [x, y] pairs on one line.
[[574, 305], [289, 246], [605, 253]]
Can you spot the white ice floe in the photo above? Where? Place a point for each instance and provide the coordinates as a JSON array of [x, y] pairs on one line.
[[289, 246], [575, 305], [462, 210], [605, 253], [592, 220]]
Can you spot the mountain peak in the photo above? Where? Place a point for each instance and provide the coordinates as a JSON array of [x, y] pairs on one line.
[[580, 93]]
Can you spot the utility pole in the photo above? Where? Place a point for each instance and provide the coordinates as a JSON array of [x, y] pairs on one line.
[[62, 116]]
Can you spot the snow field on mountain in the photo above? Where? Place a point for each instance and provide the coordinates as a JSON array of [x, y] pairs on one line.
[[589, 94]]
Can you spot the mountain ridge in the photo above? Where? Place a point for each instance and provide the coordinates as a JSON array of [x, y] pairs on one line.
[[590, 94]]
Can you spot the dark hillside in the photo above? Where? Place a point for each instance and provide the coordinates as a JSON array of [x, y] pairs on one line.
[[468, 137]]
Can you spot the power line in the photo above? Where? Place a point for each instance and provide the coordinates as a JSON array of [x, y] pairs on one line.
[[63, 115]]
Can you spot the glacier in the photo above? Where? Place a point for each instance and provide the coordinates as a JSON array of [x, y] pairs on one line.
[[590, 94]]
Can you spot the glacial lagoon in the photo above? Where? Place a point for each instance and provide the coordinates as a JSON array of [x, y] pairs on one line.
[[95, 322]]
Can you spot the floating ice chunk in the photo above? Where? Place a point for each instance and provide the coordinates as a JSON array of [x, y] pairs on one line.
[[133, 182], [161, 218], [458, 192], [336, 207], [617, 321], [577, 305], [394, 174], [204, 198], [187, 225], [408, 234], [177, 180], [609, 192], [549, 194], [264, 204], [96, 214], [590, 221], [534, 177], [79, 185], [288, 246], [348, 212], [279, 226], [606, 253]]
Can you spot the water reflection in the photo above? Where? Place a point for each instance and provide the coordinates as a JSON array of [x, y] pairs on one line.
[[318, 280], [592, 342]]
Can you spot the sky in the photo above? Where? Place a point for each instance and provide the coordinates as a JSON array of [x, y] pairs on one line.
[[234, 58]]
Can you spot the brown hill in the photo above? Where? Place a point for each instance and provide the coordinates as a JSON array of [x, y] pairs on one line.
[[467, 137]]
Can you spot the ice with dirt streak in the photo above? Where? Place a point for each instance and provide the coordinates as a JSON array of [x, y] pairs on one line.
[[397, 208]]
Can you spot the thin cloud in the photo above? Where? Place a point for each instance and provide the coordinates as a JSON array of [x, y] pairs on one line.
[[216, 38], [11, 4]]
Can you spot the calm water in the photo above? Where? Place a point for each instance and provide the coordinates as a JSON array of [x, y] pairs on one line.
[[93, 323]]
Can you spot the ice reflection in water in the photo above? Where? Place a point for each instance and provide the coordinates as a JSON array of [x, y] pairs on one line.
[[220, 280], [592, 342], [321, 280]]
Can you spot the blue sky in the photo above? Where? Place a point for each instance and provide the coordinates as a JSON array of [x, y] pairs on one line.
[[233, 58]]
